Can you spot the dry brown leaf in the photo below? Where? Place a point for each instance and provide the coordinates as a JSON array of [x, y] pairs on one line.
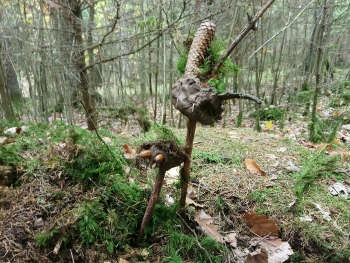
[[261, 224], [272, 250], [323, 146], [122, 260], [129, 152], [253, 167], [205, 223]]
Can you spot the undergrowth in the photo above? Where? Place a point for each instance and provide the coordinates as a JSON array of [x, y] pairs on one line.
[[324, 130], [270, 114], [182, 246], [314, 166], [109, 215], [159, 132]]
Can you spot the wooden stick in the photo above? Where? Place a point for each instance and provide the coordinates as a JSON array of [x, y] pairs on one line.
[[152, 202], [185, 174], [240, 37], [229, 95]]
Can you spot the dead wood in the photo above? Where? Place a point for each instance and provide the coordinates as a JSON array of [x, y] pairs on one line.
[[165, 155]]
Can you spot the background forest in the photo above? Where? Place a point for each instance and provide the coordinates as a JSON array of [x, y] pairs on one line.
[[81, 79]]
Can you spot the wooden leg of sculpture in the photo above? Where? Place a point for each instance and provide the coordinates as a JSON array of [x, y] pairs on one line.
[[185, 175], [152, 202]]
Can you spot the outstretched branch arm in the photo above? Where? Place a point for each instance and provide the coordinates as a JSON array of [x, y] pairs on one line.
[[240, 37], [229, 95]]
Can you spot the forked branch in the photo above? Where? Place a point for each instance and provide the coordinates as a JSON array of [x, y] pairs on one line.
[[240, 37]]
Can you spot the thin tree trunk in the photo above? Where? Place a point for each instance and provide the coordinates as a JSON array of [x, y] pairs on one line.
[[79, 60], [5, 98], [320, 44]]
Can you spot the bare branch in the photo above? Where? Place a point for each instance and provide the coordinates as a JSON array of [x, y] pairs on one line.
[[240, 37], [283, 29], [229, 95]]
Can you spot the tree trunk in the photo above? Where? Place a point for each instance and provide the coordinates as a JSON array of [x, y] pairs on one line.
[[5, 98], [79, 60], [320, 44]]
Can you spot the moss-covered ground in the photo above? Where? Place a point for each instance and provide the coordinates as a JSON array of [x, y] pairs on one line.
[[73, 197]]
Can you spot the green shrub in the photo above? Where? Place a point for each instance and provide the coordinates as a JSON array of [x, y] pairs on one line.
[[315, 165], [304, 96], [44, 239], [209, 157], [324, 130], [270, 114], [113, 220], [183, 248]]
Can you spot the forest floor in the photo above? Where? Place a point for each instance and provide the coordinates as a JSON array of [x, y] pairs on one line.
[[65, 197]]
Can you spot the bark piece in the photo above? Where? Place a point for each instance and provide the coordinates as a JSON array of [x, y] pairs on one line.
[[195, 101], [200, 102], [165, 154]]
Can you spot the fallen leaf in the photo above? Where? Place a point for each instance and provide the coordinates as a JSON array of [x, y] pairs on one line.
[[261, 224], [282, 149], [325, 213], [231, 239], [172, 175], [323, 146], [339, 189], [121, 260], [305, 219], [107, 140], [346, 127], [253, 167], [292, 167], [129, 152], [269, 125], [272, 250], [336, 141], [205, 223]]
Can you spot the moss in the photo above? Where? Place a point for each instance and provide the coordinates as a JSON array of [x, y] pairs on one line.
[[215, 51]]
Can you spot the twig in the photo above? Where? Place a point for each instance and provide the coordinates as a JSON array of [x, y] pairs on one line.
[[152, 202], [283, 29], [229, 95], [240, 37], [71, 254], [194, 233]]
